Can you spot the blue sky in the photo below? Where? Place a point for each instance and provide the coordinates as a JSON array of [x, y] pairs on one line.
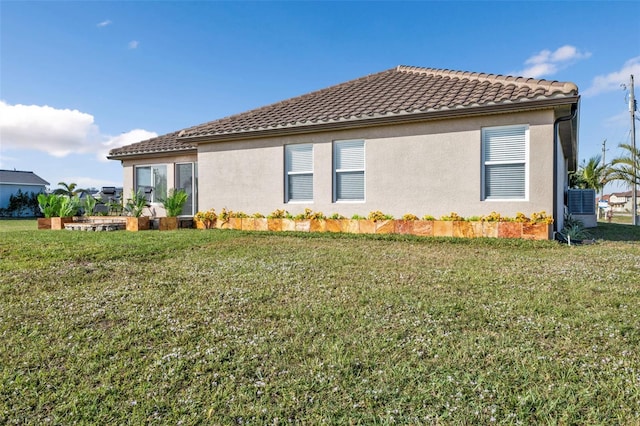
[[79, 78]]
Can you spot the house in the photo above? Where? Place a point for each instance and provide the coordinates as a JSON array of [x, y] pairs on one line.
[[14, 181], [621, 201], [405, 140]]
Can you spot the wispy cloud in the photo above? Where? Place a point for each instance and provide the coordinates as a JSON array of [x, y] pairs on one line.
[[133, 44], [104, 23], [547, 62], [59, 132], [613, 80]]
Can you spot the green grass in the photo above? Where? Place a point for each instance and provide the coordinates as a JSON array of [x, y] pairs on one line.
[[226, 327]]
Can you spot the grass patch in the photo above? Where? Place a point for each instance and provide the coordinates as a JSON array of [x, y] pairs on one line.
[[226, 327]]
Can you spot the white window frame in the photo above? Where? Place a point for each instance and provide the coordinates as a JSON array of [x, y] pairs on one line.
[[525, 161], [337, 172], [154, 200], [288, 173]]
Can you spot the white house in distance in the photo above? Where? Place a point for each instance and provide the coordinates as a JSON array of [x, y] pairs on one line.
[[405, 140], [12, 181]]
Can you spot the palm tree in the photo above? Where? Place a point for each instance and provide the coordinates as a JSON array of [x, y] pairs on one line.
[[69, 190], [623, 167], [590, 174]]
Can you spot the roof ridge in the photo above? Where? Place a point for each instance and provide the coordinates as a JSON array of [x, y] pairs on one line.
[[519, 81]]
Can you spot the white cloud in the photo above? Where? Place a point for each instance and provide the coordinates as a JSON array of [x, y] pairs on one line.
[[547, 62], [620, 119], [59, 132], [613, 80], [133, 44], [132, 136], [104, 23]]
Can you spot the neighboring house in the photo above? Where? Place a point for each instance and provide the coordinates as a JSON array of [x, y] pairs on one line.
[[406, 140], [621, 201], [12, 181]]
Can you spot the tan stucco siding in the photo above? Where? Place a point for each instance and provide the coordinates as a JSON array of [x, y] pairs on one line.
[[427, 168]]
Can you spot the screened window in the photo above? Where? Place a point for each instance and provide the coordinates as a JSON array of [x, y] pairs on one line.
[[504, 162], [349, 170], [186, 176], [299, 176], [152, 182]]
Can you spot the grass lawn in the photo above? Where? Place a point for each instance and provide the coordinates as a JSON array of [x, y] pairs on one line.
[[227, 327]]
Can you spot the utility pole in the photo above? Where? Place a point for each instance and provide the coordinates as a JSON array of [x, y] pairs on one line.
[[604, 164], [634, 184]]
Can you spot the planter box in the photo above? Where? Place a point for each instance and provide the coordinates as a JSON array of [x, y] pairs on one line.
[[288, 224], [235, 223], [442, 228], [333, 225], [423, 228], [248, 224], [222, 224], [204, 224], [404, 227], [44, 223], [57, 223], [490, 229], [274, 225], [261, 224], [302, 225], [463, 229], [138, 223], [536, 231], [317, 225], [366, 226], [168, 223], [509, 230], [385, 226], [350, 226]]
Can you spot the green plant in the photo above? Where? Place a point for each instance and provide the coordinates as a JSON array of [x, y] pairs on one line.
[[238, 215], [257, 216], [225, 215], [428, 217], [277, 214], [357, 217], [409, 216], [336, 216], [136, 204], [492, 217], [377, 216], [68, 206], [175, 201], [49, 204], [541, 217], [207, 217], [474, 218], [453, 216], [89, 204]]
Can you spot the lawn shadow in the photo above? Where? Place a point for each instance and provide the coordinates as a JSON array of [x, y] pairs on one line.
[[615, 232]]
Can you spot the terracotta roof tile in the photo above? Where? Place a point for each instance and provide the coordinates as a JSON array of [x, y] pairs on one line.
[[401, 90]]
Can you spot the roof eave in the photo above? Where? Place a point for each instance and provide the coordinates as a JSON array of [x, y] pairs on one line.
[[152, 154], [484, 109]]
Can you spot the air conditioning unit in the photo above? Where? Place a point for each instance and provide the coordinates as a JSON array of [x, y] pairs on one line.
[[581, 204]]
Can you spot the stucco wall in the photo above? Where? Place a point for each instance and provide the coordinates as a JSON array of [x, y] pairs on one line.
[[8, 189], [427, 168]]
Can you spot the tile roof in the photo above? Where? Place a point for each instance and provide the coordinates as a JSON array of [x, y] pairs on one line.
[[19, 177], [160, 144], [401, 91]]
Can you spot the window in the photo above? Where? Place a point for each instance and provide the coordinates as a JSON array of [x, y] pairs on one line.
[[299, 173], [348, 179], [187, 179], [504, 162], [152, 181]]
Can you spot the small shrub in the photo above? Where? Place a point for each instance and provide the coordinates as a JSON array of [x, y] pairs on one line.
[[238, 215], [225, 214], [357, 217], [492, 217], [428, 217], [278, 214], [257, 216], [541, 217], [409, 216], [377, 216], [336, 216], [453, 216], [474, 218]]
